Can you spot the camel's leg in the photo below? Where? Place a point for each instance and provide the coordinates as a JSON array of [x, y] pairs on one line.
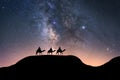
[[36, 53], [57, 53], [61, 53]]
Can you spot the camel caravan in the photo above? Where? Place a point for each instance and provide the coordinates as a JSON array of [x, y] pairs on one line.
[[59, 51]]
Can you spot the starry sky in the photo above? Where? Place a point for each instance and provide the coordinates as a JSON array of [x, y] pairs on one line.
[[88, 29]]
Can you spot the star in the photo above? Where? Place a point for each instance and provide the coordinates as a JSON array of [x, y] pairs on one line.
[[109, 50], [54, 22], [3, 7], [83, 27], [50, 5]]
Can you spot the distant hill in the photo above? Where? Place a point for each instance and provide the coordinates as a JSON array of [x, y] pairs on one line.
[[59, 67]]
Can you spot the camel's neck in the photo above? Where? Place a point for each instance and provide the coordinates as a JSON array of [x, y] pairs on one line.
[[54, 51], [43, 50], [63, 50]]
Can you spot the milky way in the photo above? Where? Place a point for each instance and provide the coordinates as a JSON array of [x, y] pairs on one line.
[[87, 29]]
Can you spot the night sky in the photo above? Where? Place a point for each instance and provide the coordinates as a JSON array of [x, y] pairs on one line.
[[89, 29]]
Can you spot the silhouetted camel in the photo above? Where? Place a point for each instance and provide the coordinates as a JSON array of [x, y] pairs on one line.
[[39, 51], [50, 51], [60, 51]]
